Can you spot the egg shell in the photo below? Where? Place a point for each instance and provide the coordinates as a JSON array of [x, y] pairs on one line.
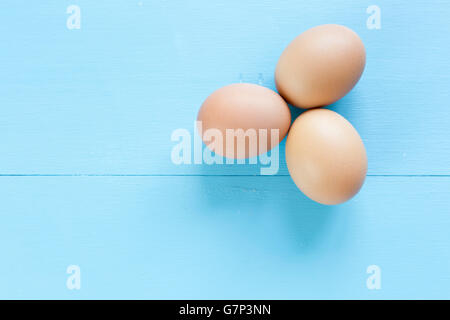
[[320, 66], [244, 106], [325, 156]]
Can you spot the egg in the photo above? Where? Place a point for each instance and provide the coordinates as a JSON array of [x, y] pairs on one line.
[[320, 66], [250, 119], [325, 156]]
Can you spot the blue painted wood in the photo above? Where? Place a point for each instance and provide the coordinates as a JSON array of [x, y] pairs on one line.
[[106, 98], [221, 237]]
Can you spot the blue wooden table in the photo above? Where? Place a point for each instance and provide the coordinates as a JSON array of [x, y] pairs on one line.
[[87, 109]]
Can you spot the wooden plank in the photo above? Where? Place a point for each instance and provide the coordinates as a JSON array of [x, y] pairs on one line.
[[221, 237], [105, 99]]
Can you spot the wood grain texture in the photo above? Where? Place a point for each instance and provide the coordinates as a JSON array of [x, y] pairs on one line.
[[90, 108], [221, 237]]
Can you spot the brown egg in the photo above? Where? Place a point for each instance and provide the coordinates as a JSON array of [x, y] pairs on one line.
[[257, 117], [320, 66], [325, 156]]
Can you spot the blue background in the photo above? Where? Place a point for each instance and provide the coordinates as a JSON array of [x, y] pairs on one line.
[[86, 177]]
